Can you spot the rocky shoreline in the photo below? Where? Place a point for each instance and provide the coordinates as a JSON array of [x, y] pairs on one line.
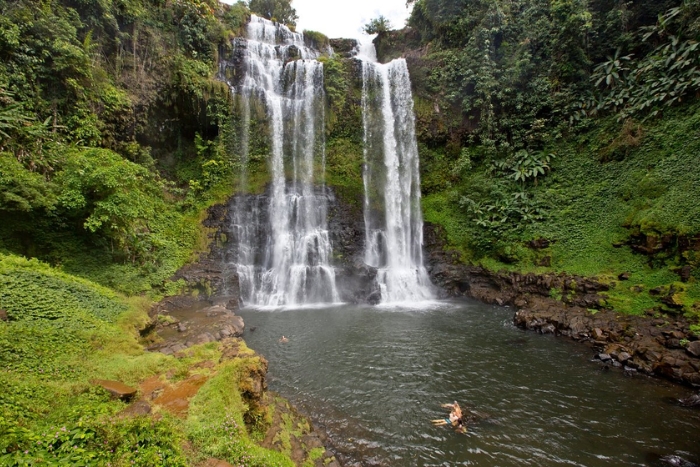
[[658, 344]]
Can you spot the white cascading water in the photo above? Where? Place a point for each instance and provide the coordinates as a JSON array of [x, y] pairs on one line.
[[393, 218], [283, 246]]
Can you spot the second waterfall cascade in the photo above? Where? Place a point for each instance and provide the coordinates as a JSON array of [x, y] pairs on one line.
[[283, 247], [393, 218]]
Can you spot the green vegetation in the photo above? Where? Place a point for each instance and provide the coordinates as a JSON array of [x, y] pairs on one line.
[[280, 11], [216, 424], [114, 134], [555, 136], [63, 332], [317, 40], [378, 25], [115, 137], [569, 121]]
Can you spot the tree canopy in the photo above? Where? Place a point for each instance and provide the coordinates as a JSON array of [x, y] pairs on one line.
[[280, 11], [378, 25]]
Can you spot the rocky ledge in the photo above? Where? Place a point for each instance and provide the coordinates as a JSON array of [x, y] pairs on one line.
[[657, 344], [653, 346]]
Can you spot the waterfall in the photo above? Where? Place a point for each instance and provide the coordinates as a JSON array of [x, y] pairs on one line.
[[283, 250], [393, 219]]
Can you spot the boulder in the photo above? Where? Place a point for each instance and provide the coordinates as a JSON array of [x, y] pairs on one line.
[[673, 343], [374, 298], [215, 310], [116, 389], [204, 338], [694, 348], [691, 401], [692, 378], [237, 325], [676, 461], [312, 442], [137, 409], [603, 357]]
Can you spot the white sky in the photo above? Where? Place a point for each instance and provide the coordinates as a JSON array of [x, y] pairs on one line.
[[345, 18]]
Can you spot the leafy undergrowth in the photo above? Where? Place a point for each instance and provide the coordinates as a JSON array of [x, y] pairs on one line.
[[65, 331], [216, 424], [612, 184]]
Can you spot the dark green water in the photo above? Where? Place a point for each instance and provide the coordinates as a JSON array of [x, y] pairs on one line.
[[373, 378]]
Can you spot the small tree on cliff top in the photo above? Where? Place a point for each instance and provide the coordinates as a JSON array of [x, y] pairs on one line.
[[275, 10], [378, 25]]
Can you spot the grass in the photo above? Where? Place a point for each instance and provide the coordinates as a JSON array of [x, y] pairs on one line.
[[215, 423], [65, 331], [604, 188]]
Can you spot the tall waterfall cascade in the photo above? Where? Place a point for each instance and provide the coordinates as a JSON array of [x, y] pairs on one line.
[[283, 250], [393, 218]]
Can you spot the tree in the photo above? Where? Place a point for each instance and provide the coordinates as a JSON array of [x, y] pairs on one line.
[[378, 25], [280, 11]]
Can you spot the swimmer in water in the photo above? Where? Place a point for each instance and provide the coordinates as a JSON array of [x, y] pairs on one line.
[[455, 419]]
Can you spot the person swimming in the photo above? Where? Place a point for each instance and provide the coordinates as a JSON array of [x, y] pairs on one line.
[[454, 419]]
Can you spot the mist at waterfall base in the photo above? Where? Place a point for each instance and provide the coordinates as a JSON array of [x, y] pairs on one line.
[[373, 378]]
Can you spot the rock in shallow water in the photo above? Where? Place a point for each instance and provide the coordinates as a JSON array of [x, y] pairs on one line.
[[676, 461], [692, 401]]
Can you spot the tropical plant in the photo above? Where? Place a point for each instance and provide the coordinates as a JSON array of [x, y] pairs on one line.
[[378, 25], [280, 11], [525, 165], [645, 85]]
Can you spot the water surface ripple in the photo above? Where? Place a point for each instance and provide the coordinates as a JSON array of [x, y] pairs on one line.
[[374, 377]]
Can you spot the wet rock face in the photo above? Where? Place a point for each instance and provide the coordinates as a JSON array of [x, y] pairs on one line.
[[355, 280], [501, 288], [231, 64], [211, 278], [346, 48], [694, 348]]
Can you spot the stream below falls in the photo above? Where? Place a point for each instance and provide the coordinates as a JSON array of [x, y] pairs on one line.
[[374, 377]]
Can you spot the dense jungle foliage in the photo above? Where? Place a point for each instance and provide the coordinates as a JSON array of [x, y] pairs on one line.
[[563, 135], [111, 134]]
